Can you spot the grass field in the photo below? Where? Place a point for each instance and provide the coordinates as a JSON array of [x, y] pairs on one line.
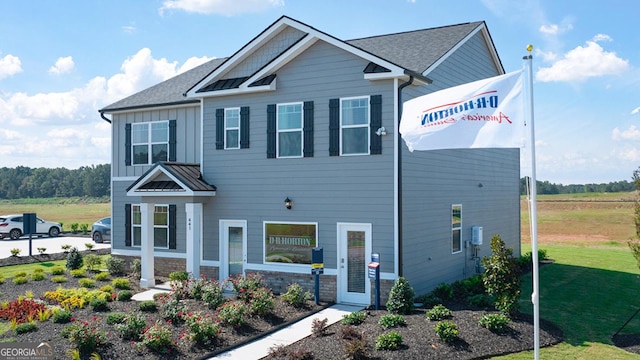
[[65, 211]]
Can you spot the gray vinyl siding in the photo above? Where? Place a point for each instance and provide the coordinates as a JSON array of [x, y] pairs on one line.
[[187, 136], [324, 189], [435, 180]]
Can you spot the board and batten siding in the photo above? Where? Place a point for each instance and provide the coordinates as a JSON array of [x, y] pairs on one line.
[[484, 181], [325, 189], [187, 137]]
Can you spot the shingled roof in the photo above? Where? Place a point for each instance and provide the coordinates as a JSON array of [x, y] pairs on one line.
[[183, 177], [416, 51]]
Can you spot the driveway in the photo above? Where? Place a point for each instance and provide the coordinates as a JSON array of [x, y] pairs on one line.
[[53, 245]]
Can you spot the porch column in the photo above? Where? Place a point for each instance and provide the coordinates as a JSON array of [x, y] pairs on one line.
[[147, 279], [194, 237]]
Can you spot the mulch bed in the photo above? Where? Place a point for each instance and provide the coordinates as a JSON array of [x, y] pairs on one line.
[[420, 341]]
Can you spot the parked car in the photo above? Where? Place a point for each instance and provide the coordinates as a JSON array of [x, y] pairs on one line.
[[11, 225], [101, 230]]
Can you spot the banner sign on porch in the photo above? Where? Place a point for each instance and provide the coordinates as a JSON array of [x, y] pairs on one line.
[[289, 243]]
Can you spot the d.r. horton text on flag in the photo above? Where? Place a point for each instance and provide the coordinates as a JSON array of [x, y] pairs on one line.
[[487, 113]]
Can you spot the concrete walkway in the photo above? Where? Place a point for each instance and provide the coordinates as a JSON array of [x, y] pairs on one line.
[[288, 335]]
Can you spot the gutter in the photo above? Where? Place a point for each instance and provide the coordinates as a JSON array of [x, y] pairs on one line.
[[399, 200], [104, 118]]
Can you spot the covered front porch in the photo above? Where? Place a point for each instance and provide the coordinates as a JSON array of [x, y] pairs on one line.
[[154, 221]]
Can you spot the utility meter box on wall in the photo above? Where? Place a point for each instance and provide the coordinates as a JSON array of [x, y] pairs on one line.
[[476, 235]]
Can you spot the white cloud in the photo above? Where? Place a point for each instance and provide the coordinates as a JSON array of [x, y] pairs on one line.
[[63, 65], [193, 62], [10, 65], [584, 62], [555, 29], [632, 133], [549, 29], [129, 29], [635, 111], [220, 7]]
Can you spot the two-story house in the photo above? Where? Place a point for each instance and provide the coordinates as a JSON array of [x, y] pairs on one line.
[[247, 163]]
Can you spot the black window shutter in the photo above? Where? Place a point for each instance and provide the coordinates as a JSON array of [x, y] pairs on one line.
[[219, 129], [172, 140], [127, 224], [271, 131], [127, 144], [375, 124], [244, 127], [308, 129], [172, 226], [334, 127]]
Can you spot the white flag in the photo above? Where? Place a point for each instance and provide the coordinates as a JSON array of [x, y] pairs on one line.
[[483, 114]]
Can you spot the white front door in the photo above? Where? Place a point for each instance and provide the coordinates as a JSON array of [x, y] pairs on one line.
[[233, 248], [354, 252]]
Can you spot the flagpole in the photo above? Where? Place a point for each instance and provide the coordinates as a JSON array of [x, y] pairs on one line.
[[533, 209]]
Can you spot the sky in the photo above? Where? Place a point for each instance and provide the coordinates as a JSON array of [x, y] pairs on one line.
[[61, 61]]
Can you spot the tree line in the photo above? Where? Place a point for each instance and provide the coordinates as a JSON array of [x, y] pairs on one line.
[[23, 182], [545, 187]]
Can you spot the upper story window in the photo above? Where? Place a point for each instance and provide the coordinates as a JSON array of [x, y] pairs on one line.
[[289, 125], [456, 228], [150, 142], [232, 128], [354, 126]]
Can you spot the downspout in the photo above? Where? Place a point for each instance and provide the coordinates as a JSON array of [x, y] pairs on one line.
[[399, 200], [104, 118]]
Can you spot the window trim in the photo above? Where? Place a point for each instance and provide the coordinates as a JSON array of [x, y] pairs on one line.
[[135, 226], [228, 128], [366, 126], [455, 228], [299, 130], [149, 142]]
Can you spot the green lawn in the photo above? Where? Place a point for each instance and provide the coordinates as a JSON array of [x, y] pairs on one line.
[[589, 293]]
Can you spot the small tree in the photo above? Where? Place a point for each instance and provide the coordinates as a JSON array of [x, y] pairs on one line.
[[501, 277], [401, 297], [634, 243], [74, 259]]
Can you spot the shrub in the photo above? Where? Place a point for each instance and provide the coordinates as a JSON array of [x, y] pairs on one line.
[[179, 276], [59, 279], [85, 335], [319, 327], [21, 310], [447, 331], [400, 297], [57, 270], [285, 352], [125, 295], [77, 273], [132, 327], [65, 247], [171, 308], [484, 301], [296, 296], [494, 322], [26, 327], [38, 276], [84, 227], [194, 287], [99, 304], [116, 317], [158, 338], [20, 280], [389, 341], [202, 329], [15, 251], [438, 312], [86, 283], [244, 285], [391, 320], [121, 283], [20, 274], [443, 291], [147, 306], [232, 314], [501, 277], [429, 300], [42, 250], [136, 267], [261, 301], [61, 316], [354, 318], [101, 276], [107, 289], [92, 262], [350, 332], [212, 294], [115, 265], [74, 227], [473, 285], [74, 259]]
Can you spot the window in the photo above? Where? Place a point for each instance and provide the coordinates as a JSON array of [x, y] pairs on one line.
[[150, 142], [232, 128], [160, 226], [456, 228], [354, 126], [289, 243], [289, 125]]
